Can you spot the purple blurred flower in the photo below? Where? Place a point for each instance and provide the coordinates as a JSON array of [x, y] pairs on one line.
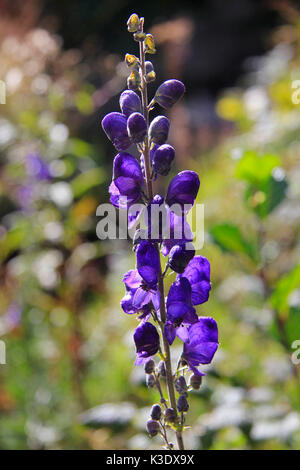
[[146, 340], [137, 127], [179, 303], [130, 103], [139, 296], [162, 158], [127, 184], [201, 343], [159, 130], [148, 262], [198, 274], [37, 167], [115, 127], [169, 92], [183, 189], [180, 256]]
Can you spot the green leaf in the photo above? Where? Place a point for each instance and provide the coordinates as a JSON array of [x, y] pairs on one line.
[[229, 238], [87, 180], [256, 169], [284, 288], [264, 201], [80, 148]]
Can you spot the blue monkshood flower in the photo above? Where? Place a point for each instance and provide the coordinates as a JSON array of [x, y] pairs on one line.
[[198, 274], [162, 158], [130, 103], [137, 127], [37, 167], [115, 127], [159, 130], [179, 303], [126, 187], [148, 262], [180, 256], [139, 296], [201, 343], [183, 189], [169, 92], [146, 340], [156, 218]]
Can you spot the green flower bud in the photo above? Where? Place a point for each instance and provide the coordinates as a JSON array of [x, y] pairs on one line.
[[133, 23], [134, 80], [139, 36], [131, 60], [149, 44]]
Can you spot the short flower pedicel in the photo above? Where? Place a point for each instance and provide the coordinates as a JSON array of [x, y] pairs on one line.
[[161, 320]]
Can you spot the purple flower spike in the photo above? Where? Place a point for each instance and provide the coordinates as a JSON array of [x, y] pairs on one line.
[[138, 297], [146, 341], [169, 92], [179, 232], [198, 274], [180, 256], [159, 130], [183, 189], [115, 127], [137, 127], [179, 303], [126, 187], [162, 159], [201, 344], [147, 262], [130, 103]]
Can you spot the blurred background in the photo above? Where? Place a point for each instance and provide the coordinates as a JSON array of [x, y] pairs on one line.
[[69, 381]]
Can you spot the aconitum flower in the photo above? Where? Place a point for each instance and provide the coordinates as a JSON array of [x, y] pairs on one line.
[[137, 127], [130, 103], [159, 130], [179, 303], [146, 340], [183, 189], [139, 296], [115, 127], [179, 231], [198, 274], [180, 256], [156, 218], [148, 262], [201, 344], [169, 92], [127, 184], [162, 158]]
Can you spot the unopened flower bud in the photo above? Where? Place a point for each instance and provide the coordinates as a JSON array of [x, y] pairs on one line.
[[150, 73], [155, 412], [159, 129], [131, 60], [133, 23], [169, 92], [180, 256], [130, 103], [195, 381], [139, 36], [134, 80], [162, 158], [115, 127], [153, 427], [170, 415], [180, 385], [149, 366], [162, 369], [137, 127], [182, 404], [150, 381], [149, 44]]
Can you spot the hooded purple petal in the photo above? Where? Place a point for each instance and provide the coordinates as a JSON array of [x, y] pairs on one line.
[[130, 103], [147, 262], [137, 127], [169, 92], [202, 343], [179, 303], [146, 340], [180, 256], [115, 127], [183, 189], [198, 274], [162, 158]]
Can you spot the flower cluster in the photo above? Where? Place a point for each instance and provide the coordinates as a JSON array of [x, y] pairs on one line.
[[161, 319]]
